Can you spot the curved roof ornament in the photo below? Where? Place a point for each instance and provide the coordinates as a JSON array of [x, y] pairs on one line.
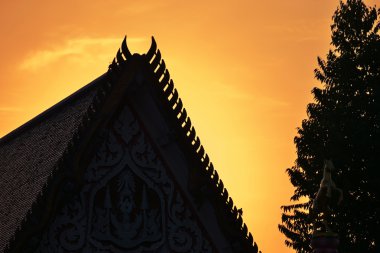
[[152, 50], [124, 48], [122, 55]]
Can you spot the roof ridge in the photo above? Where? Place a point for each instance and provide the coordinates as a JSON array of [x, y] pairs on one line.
[[170, 95], [9, 136]]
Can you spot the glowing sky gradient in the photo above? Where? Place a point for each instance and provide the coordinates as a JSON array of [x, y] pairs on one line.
[[244, 70]]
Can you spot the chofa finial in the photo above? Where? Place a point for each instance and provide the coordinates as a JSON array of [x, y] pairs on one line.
[[122, 55], [152, 50], [124, 48]]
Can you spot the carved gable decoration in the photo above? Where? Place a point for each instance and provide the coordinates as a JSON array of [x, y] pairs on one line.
[[133, 177], [128, 203]]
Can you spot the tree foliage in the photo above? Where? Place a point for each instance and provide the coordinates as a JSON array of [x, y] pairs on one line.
[[343, 124]]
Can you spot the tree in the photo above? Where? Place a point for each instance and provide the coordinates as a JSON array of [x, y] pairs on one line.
[[343, 124]]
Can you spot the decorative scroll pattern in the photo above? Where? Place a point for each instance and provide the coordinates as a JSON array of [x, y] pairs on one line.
[[127, 204]]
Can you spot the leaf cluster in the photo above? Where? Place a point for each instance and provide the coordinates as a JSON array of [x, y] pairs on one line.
[[343, 124]]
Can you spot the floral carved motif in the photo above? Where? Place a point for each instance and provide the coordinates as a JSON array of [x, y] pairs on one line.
[[128, 203]]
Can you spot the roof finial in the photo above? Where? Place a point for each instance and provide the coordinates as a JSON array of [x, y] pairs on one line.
[[124, 48], [152, 50]]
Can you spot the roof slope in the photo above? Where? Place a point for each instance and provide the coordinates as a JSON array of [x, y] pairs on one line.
[[29, 156], [30, 153]]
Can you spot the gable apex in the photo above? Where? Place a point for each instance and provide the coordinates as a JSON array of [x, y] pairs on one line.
[[143, 83]]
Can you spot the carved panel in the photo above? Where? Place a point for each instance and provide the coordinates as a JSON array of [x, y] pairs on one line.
[[127, 204]]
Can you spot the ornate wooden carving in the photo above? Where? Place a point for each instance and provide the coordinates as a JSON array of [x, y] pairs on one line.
[[127, 204]]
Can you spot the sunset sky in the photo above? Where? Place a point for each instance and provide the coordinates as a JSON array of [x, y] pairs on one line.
[[244, 70]]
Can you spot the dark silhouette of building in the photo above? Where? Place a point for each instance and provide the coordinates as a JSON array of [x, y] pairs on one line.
[[116, 167]]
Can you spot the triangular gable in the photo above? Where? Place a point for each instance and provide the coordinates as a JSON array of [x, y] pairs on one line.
[[135, 147], [127, 202]]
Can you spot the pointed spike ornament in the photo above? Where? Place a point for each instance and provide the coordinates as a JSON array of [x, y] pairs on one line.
[[174, 98], [215, 177], [197, 143], [152, 50], [165, 79], [221, 186], [187, 126], [230, 202], [206, 161], [156, 60], [160, 71], [124, 48], [201, 152], [240, 221], [210, 170], [183, 116], [169, 89], [225, 195], [192, 134], [250, 238], [255, 248], [178, 107], [235, 212], [245, 229]]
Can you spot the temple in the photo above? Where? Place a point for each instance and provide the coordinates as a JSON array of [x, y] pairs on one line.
[[116, 167]]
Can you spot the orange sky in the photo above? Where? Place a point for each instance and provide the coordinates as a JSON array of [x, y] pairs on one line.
[[244, 70]]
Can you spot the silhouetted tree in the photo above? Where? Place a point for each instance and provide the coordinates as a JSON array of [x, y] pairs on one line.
[[343, 124]]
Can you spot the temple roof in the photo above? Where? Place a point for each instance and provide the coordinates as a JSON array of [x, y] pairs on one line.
[[30, 153], [34, 154]]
